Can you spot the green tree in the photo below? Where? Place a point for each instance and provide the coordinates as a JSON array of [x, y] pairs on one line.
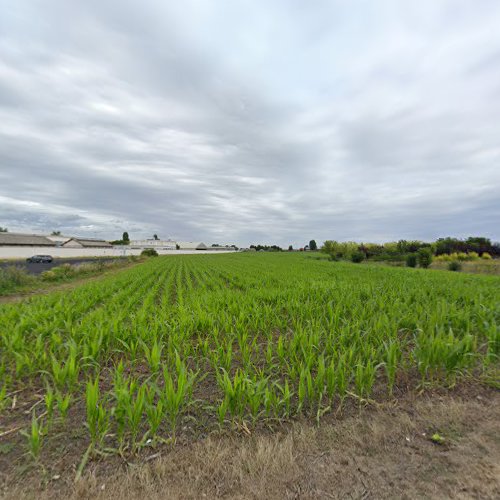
[[3, 230], [155, 236], [339, 250], [290, 248], [424, 257], [312, 246], [125, 238], [56, 233], [411, 260], [357, 257]]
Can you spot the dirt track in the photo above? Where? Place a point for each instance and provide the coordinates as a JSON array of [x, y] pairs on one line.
[[383, 452]]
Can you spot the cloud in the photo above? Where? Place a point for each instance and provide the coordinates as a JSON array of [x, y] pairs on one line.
[[251, 122]]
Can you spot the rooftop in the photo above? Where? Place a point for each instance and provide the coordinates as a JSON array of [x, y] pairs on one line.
[[25, 239]]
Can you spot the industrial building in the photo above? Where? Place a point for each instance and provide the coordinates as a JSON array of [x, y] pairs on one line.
[[24, 240]]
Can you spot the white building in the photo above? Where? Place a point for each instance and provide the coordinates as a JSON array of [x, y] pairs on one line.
[[58, 239], [156, 244], [86, 243], [192, 245]]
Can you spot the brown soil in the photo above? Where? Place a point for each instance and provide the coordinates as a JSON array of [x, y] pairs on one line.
[[382, 451]]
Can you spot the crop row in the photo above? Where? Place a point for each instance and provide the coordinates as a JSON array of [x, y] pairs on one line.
[[240, 338]]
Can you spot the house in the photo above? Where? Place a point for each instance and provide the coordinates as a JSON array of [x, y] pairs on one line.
[[191, 245], [24, 240], [86, 243]]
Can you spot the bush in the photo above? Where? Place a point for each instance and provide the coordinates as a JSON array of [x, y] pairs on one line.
[[59, 273], [48, 276], [358, 257], [443, 258], [339, 250], [454, 265], [411, 260], [486, 256], [149, 252], [424, 257], [12, 277]]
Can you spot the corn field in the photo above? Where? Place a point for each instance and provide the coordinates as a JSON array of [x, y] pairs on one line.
[[219, 341]]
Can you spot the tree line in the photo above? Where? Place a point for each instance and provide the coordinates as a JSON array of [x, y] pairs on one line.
[[413, 251]]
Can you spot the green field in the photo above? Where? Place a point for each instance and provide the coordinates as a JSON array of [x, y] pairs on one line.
[[179, 345]]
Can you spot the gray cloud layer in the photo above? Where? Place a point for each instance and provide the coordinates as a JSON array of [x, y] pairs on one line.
[[244, 122]]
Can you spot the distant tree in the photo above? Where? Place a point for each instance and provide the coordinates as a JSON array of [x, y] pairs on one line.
[[357, 257], [290, 248], [155, 236], [267, 248], [312, 246], [149, 252], [411, 260], [404, 246], [125, 238], [56, 233], [339, 250], [177, 246], [215, 245], [424, 257], [3, 230]]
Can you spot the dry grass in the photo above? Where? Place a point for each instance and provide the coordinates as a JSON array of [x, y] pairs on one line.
[[474, 267], [382, 453]]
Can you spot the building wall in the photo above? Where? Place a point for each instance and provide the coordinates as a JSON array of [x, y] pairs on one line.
[[191, 245], [23, 252], [170, 245]]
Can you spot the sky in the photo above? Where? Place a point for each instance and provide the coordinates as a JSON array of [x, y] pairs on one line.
[[251, 121]]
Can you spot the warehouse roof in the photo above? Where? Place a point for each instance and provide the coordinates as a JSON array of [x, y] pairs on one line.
[[7, 239], [89, 243]]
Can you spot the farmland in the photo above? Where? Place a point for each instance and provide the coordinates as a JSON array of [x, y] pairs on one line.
[[178, 347]]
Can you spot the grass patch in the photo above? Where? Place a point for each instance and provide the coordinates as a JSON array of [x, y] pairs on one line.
[[16, 279]]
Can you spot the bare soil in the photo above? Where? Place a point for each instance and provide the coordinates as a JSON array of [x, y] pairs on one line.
[[380, 451]]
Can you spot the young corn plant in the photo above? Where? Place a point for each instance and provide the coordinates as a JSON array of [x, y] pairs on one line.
[[364, 378], [63, 403], [155, 412], [134, 413], [49, 399], [4, 400], [175, 394], [97, 415], [284, 400], [153, 355], [235, 393], [35, 437], [392, 356]]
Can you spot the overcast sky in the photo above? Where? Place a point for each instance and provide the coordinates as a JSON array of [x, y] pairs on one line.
[[251, 121]]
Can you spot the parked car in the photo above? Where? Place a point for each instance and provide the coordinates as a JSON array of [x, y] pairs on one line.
[[40, 258]]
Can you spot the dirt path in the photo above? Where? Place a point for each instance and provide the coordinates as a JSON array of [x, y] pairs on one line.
[[384, 452]]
